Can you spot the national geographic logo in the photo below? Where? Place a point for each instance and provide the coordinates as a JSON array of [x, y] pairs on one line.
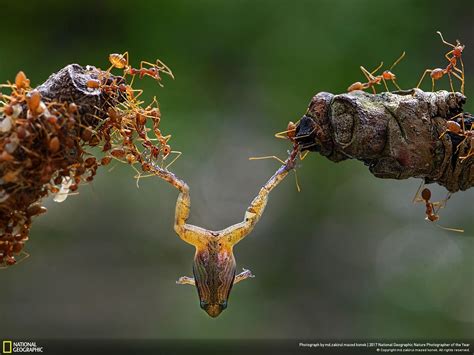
[[10, 347]]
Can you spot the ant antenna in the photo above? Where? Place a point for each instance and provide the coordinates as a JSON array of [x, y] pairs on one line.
[[376, 69], [442, 39], [398, 60]]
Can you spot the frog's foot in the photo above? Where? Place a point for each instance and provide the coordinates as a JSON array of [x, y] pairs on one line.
[[184, 280], [245, 274]]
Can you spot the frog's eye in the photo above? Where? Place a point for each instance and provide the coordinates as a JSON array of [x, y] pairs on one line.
[[224, 304], [203, 304]]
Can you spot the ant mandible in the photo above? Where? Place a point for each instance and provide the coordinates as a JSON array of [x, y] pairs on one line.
[[438, 73]]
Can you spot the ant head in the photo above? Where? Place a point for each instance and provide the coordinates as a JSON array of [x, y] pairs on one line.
[[426, 194], [388, 75], [457, 51]]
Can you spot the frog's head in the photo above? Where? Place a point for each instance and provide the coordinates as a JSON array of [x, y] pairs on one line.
[[214, 274]]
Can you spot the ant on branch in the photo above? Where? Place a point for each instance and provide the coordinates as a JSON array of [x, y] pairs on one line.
[[372, 80], [432, 208], [452, 56], [120, 61], [454, 127]]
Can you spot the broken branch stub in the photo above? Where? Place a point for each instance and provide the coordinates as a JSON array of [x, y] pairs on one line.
[[397, 135]]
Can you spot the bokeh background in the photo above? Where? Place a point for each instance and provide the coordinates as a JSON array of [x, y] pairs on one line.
[[349, 257]]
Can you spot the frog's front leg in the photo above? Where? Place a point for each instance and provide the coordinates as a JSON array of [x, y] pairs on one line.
[[184, 280], [245, 274]]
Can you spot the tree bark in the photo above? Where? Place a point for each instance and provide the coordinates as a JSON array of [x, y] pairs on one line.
[[397, 135]]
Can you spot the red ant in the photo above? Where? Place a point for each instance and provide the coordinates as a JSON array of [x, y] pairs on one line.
[[432, 208], [460, 130], [438, 73], [290, 134], [120, 61], [376, 80], [21, 81]]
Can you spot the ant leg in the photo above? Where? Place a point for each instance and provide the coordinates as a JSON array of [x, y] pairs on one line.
[[162, 66], [267, 157], [25, 256], [131, 81], [396, 85], [366, 73], [432, 84], [385, 84], [417, 197], [125, 55], [303, 155], [462, 75], [140, 176], [450, 229], [245, 274], [178, 154], [460, 144], [184, 280], [422, 77], [146, 63], [376, 69], [469, 154], [369, 77], [451, 82], [166, 138], [447, 55], [460, 79]]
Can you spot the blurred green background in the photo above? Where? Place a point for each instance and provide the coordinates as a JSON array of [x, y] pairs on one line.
[[348, 257]]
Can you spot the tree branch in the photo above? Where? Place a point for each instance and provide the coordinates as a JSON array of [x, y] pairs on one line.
[[397, 135]]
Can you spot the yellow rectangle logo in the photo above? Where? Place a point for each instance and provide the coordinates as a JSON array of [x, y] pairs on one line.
[[7, 347]]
